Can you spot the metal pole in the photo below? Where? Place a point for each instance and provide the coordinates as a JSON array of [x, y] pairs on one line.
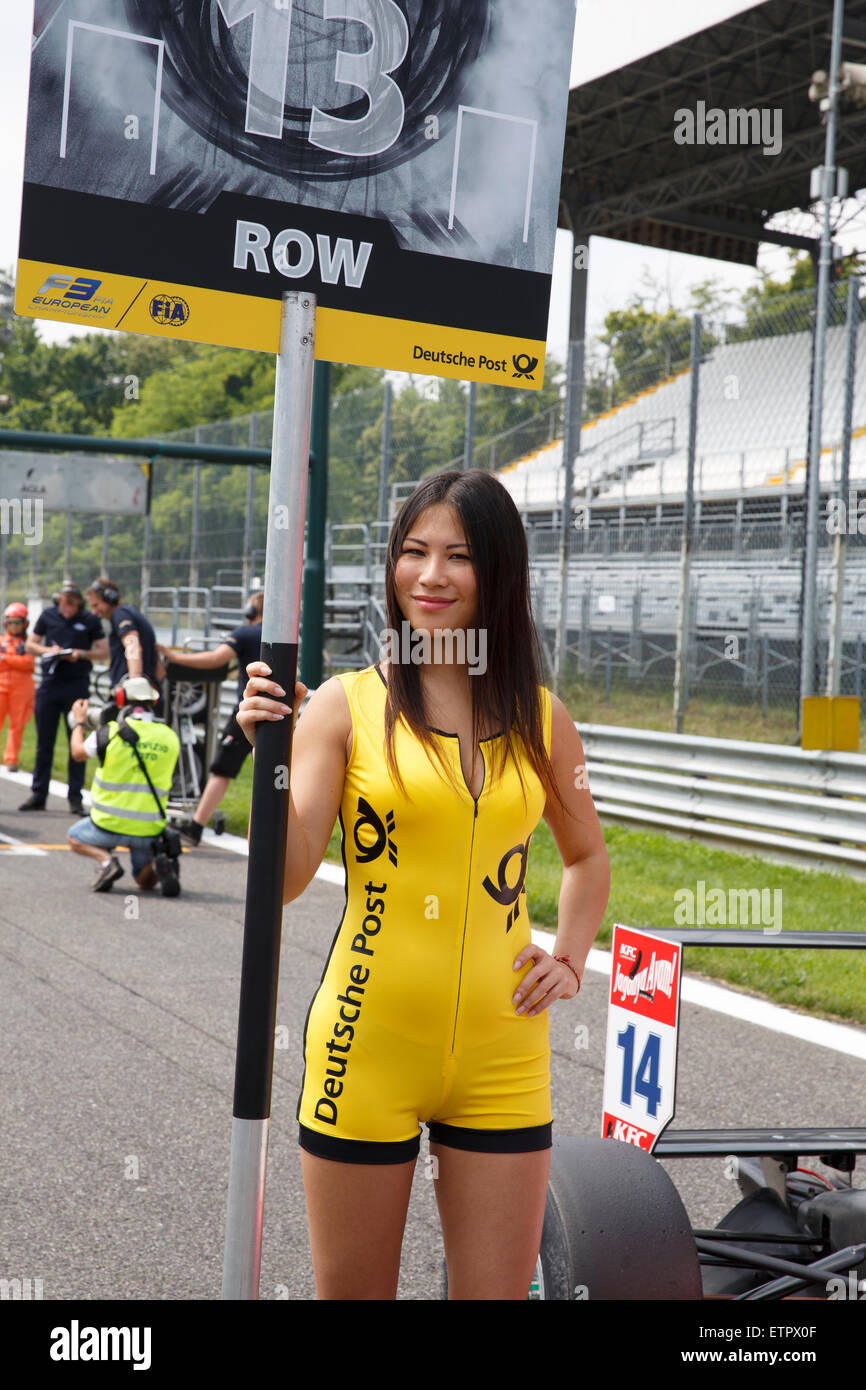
[[313, 626], [469, 434], [34, 575], [247, 562], [813, 499], [106, 538], [148, 533], [385, 466], [840, 546], [569, 449], [67, 550], [145, 557], [680, 675], [572, 424], [269, 812], [196, 505], [4, 568]]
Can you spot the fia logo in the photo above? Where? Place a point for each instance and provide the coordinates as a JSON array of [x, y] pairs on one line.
[[169, 310], [369, 823], [500, 892]]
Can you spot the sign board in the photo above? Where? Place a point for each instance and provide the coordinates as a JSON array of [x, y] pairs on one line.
[[189, 160], [75, 483], [640, 1069]]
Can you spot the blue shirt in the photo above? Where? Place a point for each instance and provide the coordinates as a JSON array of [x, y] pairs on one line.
[[80, 631], [126, 619], [247, 643]]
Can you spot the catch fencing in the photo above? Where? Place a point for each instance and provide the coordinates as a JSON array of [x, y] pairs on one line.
[[703, 440]]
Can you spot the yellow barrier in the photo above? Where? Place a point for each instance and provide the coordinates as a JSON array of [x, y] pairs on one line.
[[831, 722]]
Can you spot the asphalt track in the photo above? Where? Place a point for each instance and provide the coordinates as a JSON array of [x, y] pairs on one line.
[[118, 1018]]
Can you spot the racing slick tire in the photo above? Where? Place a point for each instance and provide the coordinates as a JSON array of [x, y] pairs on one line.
[[614, 1228]]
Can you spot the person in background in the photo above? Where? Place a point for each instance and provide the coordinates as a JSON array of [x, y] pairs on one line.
[[17, 688], [245, 643], [131, 639], [124, 808], [68, 639]]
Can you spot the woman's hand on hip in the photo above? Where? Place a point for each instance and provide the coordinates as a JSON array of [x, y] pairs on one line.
[[548, 980]]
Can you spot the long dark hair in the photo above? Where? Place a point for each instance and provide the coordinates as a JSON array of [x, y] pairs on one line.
[[505, 698]]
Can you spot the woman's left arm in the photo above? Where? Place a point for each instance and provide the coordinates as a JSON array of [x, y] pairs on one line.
[[585, 874]]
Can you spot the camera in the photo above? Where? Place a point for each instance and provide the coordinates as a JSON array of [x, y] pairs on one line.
[[167, 843], [91, 719]]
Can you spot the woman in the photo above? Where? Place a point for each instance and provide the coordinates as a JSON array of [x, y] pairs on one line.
[[433, 1005]]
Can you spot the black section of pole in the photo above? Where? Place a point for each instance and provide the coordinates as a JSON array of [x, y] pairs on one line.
[[260, 967], [313, 602], [270, 807]]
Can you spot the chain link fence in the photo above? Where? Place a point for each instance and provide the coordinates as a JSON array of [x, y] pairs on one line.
[[738, 427], [741, 630]]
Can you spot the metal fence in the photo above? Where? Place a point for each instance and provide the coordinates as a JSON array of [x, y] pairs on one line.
[[682, 456]]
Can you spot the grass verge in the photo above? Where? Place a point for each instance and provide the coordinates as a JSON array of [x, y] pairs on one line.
[[647, 871]]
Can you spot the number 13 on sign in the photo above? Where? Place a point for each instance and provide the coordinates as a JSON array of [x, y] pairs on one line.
[[641, 1054], [367, 72]]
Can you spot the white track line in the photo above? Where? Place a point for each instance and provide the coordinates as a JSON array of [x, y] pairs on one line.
[[19, 847], [840, 1037]]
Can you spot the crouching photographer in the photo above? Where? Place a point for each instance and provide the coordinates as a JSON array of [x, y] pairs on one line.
[[137, 756]]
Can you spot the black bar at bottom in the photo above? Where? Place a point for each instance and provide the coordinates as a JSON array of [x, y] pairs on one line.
[[269, 820]]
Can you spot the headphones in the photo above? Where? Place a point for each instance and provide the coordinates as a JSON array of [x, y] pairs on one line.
[[250, 612], [120, 698], [105, 591]]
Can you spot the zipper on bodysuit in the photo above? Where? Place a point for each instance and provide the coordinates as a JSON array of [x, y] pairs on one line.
[[465, 918]]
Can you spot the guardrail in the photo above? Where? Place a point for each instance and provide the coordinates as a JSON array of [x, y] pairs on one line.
[[803, 807]]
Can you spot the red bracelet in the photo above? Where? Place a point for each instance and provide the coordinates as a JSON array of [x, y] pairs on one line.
[[566, 960]]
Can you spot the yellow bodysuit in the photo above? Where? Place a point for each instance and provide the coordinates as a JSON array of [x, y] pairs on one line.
[[413, 1020]]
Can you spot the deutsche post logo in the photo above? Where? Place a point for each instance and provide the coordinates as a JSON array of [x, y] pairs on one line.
[[169, 310], [524, 365], [501, 892], [371, 835]]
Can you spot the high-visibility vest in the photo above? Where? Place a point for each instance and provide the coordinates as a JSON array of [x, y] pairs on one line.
[[120, 799]]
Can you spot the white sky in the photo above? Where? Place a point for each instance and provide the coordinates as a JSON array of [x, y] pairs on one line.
[[608, 34]]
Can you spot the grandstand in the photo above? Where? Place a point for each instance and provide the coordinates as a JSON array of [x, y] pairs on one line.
[[753, 428], [750, 474]]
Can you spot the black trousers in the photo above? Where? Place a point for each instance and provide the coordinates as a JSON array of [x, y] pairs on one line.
[[53, 703]]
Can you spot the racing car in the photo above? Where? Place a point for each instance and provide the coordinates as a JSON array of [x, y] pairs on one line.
[[615, 1227]]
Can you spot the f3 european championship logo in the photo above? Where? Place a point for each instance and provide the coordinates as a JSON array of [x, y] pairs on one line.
[[73, 292], [169, 310]]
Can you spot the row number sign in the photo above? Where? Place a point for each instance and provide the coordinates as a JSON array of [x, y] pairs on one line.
[[188, 161], [641, 1053]]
